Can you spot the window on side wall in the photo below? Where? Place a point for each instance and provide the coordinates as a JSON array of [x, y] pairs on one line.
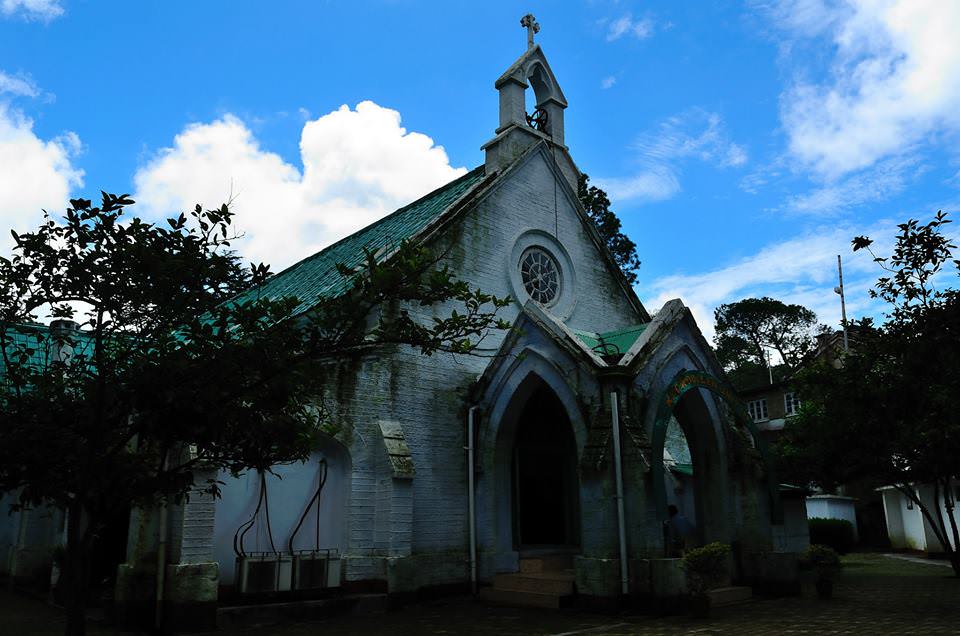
[[791, 404], [758, 410]]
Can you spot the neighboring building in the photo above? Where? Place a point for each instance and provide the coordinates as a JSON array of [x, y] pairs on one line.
[[907, 526], [584, 366], [769, 398], [772, 401], [28, 537]]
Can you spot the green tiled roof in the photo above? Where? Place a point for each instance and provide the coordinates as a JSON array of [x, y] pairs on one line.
[[316, 277], [611, 343], [683, 469], [36, 337]]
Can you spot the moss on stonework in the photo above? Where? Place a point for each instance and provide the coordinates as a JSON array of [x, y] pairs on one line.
[[403, 464], [393, 382], [339, 426]]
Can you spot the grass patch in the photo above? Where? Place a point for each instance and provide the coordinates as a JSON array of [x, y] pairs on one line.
[[873, 564]]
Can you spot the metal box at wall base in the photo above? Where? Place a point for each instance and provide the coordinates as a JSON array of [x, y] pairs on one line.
[[263, 572], [316, 569]]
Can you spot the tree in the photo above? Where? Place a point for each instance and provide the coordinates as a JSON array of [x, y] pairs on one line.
[[179, 361], [746, 329], [597, 205], [888, 415]]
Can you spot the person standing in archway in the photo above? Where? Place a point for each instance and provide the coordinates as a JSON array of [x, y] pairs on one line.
[[677, 530]]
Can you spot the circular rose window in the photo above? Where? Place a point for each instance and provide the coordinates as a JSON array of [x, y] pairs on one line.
[[540, 275]]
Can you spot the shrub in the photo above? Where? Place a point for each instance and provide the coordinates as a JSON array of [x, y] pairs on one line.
[[706, 566], [819, 557], [836, 533]]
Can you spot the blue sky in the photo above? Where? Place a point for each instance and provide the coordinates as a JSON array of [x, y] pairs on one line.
[[743, 144]]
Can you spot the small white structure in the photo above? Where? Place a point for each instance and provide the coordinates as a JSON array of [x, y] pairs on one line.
[[833, 507], [907, 526]]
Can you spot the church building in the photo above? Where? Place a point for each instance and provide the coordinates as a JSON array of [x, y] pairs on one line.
[[539, 471]]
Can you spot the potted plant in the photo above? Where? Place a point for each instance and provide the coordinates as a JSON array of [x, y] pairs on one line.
[[705, 567], [823, 562]]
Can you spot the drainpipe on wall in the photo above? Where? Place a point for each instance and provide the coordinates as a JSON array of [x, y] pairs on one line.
[[618, 476], [471, 504]]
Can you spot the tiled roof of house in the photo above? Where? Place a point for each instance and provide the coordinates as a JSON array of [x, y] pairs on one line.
[[36, 341], [316, 277]]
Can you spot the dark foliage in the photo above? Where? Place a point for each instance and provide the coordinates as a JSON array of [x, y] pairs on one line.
[[887, 414], [179, 362], [835, 533], [597, 205], [746, 329]]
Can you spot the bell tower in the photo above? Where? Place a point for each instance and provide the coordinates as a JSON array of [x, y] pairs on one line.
[[518, 130]]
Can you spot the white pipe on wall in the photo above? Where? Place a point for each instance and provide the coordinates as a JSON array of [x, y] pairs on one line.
[[618, 475], [471, 504]]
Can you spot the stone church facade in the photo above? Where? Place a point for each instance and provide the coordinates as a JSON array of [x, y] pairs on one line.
[[449, 471]]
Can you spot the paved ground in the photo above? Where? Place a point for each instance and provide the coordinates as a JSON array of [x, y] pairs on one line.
[[875, 595]]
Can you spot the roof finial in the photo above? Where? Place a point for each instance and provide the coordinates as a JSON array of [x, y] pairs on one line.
[[532, 26]]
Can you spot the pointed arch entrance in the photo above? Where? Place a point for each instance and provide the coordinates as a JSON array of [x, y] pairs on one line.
[[530, 500], [683, 401], [545, 506]]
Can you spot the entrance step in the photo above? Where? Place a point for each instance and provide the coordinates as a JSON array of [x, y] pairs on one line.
[[546, 563], [555, 583], [523, 599], [722, 596]]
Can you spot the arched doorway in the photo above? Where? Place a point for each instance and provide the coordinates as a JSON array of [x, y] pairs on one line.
[[544, 475], [699, 476], [686, 400]]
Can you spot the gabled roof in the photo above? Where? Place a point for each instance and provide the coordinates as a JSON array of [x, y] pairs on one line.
[[316, 277], [611, 343]]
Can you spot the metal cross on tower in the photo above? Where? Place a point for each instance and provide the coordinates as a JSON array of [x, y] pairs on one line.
[[532, 26]]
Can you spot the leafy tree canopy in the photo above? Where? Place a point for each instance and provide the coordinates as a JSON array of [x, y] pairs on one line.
[[179, 362], [746, 329], [888, 414], [597, 205]]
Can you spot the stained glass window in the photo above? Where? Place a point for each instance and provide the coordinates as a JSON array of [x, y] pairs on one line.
[[540, 275]]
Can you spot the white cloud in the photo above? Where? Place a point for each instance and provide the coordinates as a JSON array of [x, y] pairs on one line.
[[885, 179], [652, 184], [626, 25], [608, 82], [18, 85], [36, 173], [696, 134], [892, 81], [800, 270], [44, 10], [358, 165], [736, 155]]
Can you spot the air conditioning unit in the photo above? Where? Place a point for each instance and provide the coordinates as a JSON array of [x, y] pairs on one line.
[[316, 569], [259, 573]]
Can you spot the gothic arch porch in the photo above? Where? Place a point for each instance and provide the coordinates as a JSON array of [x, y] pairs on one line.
[[528, 489], [719, 451]]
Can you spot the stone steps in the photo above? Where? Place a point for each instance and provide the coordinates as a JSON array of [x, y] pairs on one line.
[[543, 581], [721, 596], [557, 583], [546, 563]]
